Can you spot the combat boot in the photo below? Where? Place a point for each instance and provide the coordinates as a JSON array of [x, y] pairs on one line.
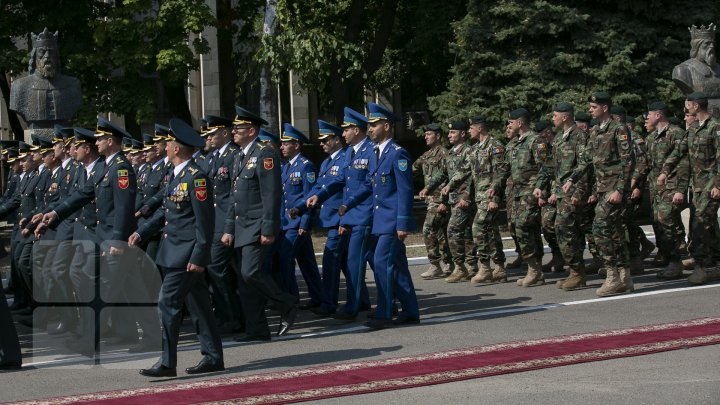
[[698, 276], [574, 281], [484, 274], [434, 271], [458, 275], [626, 278], [515, 263], [647, 249], [449, 270], [688, 264], [499, 275], [534, 273], [673, 271], [636, 266], [594, 266], [612, 284], [472, 273]]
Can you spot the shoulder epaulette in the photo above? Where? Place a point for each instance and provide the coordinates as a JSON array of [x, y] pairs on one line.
[[260, 145], [192, 170], [119, 160], [397, 147]]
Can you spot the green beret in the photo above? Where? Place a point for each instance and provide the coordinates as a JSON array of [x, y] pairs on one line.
[[583, 117], [657, 106], [697, 96], [618, 110], [477, 120], [600, 97], [435, 127], [458, 125], [541, 125], [564, 107], [519, 113]]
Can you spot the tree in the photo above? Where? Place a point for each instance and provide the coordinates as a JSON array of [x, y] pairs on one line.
[[533, 54]]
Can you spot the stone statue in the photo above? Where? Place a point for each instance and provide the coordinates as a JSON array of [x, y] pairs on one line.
[[701, 72], [46, 96]]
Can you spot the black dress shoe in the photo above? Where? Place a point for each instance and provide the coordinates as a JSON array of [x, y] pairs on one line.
[[159, 370], [287, 320], [406, 320], [377, 324], [11, 365], [344, 316], [309, 305], [205, 366], [320, 311], [252, 338], [145, 347]]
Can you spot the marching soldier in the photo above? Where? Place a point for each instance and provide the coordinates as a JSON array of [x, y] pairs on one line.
[[609, 152], [431, 165], [548, 210], [187, 223], [483, 165]]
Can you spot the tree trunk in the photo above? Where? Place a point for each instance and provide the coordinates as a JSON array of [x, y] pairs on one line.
[[268, 88], [15, 125]]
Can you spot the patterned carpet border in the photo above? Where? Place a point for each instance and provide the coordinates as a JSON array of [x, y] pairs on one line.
[[142, 395]]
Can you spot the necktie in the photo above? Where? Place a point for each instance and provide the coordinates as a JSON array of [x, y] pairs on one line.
[[377, 152], [352, 155]]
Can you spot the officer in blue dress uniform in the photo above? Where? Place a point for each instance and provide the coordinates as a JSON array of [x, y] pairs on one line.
[[357, 222], [253, 225], [187, 223], [299, 175], [269, 139], [389, 181], [221, 275], [335, 253], [113, 190]]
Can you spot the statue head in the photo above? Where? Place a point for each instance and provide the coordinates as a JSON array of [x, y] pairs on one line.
[[45, 56], [702, 44]]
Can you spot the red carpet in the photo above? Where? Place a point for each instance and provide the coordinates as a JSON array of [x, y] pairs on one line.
[[426, 369]]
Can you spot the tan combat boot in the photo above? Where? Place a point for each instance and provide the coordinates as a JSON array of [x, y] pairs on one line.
[[698, 276], [484, 274], [434, 271], [636, 266], [626, 277], [449, 270], [515, 263], [575, 280], [612, 285], [472, 272], [534, 275], [688, 264], [673, 271], [458, 275], [499, 275]]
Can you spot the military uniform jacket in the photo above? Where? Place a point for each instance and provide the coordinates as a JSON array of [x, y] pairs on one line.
[[526, 157], [12, 186], [567, 151], [203, 161], [113, 190], [610, 153], [256, 195], [86, 220], [330, 171], [142, 176], [297, 178], [483, 166], [186, 220], [153, 202], [431, 165], [701, 147], [24, 198], [351, 184], [454, 161], [660, 145], [220, 176]]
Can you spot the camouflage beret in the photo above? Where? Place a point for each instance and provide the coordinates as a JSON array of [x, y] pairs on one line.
[[519, 113]]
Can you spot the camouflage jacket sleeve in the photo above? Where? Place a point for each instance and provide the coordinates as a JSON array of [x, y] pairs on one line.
[[642, 166], [716, 136], [438, 180], [678, 154], [546, 174], [626, 158]]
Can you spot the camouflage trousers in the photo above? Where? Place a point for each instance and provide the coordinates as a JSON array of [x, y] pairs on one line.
[[526, 218], [609, 232], [435, 235], [459, 234], [547, 225], [667, 223], [568, 221], [511, 225], [587, 216], [487, 234], [704, 228]]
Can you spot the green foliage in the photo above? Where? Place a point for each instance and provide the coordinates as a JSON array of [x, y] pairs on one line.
[[534, 54]]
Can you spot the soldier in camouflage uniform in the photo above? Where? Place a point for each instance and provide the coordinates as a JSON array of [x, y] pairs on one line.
[[568, 148], [548, 211], [582, 121], [667, 201], [609, 152], [527, 154], [461, 203], [482, 168], [518, 262], [701, 146], [432, 166]]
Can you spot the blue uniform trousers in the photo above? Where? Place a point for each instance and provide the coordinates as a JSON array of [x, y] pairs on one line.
[[392, 277], [300, 248], [359, 254]]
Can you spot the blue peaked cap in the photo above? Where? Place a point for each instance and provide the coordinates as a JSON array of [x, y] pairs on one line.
[[290, 133], [327, 129], [377, 112], [266, 136], [354, 118]]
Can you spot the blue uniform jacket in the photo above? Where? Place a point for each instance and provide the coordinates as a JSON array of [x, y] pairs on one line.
[[298, 178], [331, 170]]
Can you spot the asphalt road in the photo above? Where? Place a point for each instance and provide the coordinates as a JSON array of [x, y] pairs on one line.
[[453, 316]]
